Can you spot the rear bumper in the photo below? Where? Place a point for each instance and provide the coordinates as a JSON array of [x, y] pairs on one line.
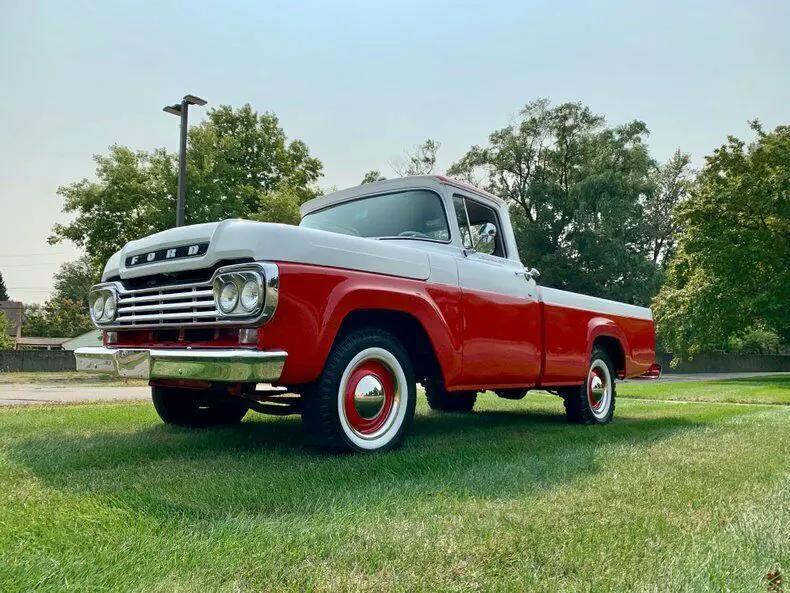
[[654, 372], [230, 366]]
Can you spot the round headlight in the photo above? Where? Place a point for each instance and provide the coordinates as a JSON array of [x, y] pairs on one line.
[[109, 307], [98, 307], [228, 297], [250, 295]]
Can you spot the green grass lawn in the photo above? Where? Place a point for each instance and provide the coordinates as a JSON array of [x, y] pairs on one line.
[[670, 497], [753, 390]]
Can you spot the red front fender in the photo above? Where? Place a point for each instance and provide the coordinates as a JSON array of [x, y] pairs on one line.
[[315, 300]]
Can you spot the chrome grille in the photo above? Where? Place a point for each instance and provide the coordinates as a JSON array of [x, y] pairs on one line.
[[189, 304], [166, 305]]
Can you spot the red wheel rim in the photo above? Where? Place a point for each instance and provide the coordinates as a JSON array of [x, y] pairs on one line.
[[351, 398]]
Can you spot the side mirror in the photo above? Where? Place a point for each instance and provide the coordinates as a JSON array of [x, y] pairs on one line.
[[486, 234]]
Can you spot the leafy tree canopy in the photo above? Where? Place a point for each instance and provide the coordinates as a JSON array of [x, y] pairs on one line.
[[73, 281], [133, 196], [57, 318], [6, 340], [730, 275], [236, 159], [281, 205], [673, 181], [371, 176], [577, 190], [421, 160]]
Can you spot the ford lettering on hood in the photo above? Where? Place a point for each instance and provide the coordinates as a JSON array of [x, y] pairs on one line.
[[171, 253]]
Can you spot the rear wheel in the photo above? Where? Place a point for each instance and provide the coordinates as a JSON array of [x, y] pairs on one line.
[[191, 407], [593, 402], [441, 400], [364, 399]]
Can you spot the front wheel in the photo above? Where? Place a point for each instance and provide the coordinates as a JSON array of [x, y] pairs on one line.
[[364, 399], [190, 407], [593, 402]]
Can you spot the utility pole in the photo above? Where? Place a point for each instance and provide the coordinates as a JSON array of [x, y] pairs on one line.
[[182, 110]]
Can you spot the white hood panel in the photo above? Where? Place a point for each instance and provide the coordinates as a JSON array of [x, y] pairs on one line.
[[235, 239]]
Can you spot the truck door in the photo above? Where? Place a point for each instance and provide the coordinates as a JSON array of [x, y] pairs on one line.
[[502, 328]]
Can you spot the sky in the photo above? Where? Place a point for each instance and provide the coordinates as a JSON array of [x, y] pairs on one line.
[[359, 82]]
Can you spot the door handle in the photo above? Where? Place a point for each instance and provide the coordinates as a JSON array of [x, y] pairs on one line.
[[532, 273]]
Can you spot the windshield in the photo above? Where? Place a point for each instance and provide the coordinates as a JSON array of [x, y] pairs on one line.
[[407, 214]]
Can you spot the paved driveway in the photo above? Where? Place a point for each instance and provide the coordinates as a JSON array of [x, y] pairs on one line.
[[20, 395]]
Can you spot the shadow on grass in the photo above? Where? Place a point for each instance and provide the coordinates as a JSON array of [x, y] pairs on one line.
[[262, 467]]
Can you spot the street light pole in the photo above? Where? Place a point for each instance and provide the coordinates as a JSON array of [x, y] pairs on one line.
[[182, 166], [182, 110]]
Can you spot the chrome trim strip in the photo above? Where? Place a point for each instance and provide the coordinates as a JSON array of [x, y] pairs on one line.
[[198, 294], [165, 306], [96, 290], [230, 366], [174, 287], [271, 290], [166, 316]]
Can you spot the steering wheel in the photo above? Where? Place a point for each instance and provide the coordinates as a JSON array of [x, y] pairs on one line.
[[413, 234]]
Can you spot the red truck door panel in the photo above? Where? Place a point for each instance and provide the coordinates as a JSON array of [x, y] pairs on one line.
[[502, 329]]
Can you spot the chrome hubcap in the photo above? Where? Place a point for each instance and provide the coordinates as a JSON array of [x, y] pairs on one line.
[[599, 389], [369, 397]]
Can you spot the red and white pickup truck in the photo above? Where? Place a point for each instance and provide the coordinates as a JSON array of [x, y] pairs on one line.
[[380, 287]]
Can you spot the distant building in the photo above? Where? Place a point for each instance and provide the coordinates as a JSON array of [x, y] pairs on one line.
[[41, 343], [13, 312]]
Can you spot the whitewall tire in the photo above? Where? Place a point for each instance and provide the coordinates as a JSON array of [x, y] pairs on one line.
[[364, 400], [593, 402]]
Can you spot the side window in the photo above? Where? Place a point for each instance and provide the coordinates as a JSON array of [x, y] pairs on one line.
[[480, 228]]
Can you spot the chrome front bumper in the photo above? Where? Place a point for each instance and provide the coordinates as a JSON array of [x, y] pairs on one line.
[[230, 366]]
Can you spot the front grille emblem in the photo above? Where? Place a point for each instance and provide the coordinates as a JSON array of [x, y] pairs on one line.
[[181, 252]]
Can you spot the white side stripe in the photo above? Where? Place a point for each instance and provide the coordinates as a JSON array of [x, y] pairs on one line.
[[572, 300]]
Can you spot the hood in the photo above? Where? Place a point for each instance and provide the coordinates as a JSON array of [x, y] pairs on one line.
[[203, 245]]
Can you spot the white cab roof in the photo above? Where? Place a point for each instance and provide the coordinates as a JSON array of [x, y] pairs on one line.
[[415, 182]]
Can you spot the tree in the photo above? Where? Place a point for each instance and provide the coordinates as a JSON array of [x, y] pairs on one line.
[[6, 341], [236, 159], [239, 157], [134, 196], [577, 191], [372, 176], [3, 290], [57, 318], [281, 205], [74, 280], [673, 181], [421, 160], [730, 276]]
